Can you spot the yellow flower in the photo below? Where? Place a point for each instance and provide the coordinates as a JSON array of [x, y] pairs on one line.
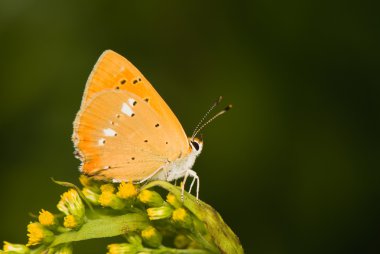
[[145, 196], [107, 188], [171, 199], [151, 198], [105, 198], [15, 248], [70, 222], [46, 218], [108, 199], [71, 203], [151, 237], [181, 216], [38, 234], [126, 190], [149, 232]]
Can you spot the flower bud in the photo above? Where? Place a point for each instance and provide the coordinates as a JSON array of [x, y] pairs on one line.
[[65, 249], [134, 239], [171, 199], [182, 217], [15, 248], [150, 198], [151, 237], [107, 188], [70, 221], [91, 195], [181, 241], [122, 248], [108, 199], [158, 213], [71, 203], [89, 183]]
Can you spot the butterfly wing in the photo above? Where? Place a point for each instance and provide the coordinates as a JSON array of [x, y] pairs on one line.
[[124, 130]]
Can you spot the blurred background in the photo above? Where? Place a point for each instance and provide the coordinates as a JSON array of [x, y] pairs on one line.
[[293, 168]]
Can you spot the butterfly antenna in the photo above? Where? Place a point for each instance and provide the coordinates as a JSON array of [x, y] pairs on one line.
[[212, 119], [205, 115]]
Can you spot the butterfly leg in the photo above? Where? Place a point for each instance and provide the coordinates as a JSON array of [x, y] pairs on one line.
[[195, 177], [192, 184], [183, 184]]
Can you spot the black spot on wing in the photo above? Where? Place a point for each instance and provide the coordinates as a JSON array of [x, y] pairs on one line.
[[136, 80]]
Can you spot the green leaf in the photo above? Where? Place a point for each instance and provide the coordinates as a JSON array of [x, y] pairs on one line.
[[107, 226]]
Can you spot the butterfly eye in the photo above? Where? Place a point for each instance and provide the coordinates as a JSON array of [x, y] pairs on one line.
[[195, 145]]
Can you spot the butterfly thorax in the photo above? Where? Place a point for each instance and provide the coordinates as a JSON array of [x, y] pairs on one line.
[[178, 168]]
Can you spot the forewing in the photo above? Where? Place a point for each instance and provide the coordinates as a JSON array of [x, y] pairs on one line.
[[114, 72], [119, 136]]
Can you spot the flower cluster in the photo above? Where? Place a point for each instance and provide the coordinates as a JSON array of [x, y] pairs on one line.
[[44, 231], [151, 219]]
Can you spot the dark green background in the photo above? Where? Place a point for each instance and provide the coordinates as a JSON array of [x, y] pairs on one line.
[[293, 168]]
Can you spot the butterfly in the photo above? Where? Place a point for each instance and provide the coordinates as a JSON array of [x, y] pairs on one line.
[[125, 132]]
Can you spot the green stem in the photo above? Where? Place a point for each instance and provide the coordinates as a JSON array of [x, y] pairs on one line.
[[38, 250], [165, 250], [223, 237]]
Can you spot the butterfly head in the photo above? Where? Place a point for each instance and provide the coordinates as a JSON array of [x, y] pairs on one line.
[[196, 145]]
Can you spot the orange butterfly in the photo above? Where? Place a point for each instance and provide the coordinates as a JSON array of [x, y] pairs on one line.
[[124, 130]]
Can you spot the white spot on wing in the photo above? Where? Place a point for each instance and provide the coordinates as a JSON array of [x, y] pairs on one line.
[[126, 109], [109, 132], [101, 141], [131, 102]]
